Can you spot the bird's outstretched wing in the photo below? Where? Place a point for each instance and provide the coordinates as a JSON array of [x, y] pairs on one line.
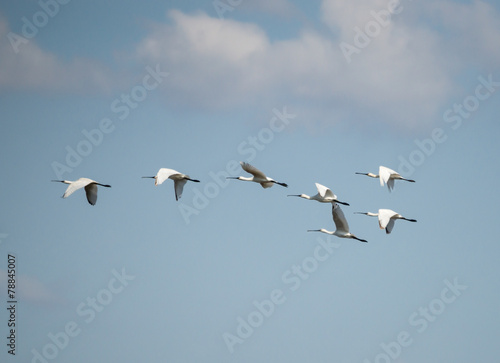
[[253, 170], [390, 226], [91, 192], [390, 184], [267, 184], [74, 186], [384, 175], [179, 186], [164, 174], [384, 217], [339, 218], [325, 192]]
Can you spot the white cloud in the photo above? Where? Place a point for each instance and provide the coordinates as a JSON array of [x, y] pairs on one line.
[[207, 58], [208, 37], [404, 76], [474, 30], [224, 63], [345, 15]]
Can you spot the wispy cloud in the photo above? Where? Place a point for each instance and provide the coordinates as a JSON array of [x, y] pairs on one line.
[[30, 289], [403, 77], [225, 63], [473, 30], [34, 69]]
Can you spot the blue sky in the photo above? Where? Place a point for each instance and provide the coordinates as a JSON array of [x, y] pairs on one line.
[[307, 93]]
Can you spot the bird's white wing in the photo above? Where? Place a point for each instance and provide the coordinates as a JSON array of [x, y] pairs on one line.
[[74, 186], [390, 184], [267, 184], [390, 226], [179, 186], [164, 174], [384, 217], [389, 170], [91, 191], [384, 175], [253, 170], [339, 219], [325, 192]]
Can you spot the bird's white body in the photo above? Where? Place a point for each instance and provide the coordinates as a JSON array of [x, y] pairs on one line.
[[341, 225], [89, 185], [324, 195], [257, 176], [179, 179], [387, 176], [387, 218]]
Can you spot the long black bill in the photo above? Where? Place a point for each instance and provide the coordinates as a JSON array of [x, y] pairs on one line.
[[343, 203]]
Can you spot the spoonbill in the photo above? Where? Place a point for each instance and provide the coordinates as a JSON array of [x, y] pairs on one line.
[[324, 195], [386, 218], [342, 228], [179, 179], [387, 176], [258, 176], [89, 185]]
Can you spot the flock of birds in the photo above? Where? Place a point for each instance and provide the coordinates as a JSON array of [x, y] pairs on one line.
[[386, 217]]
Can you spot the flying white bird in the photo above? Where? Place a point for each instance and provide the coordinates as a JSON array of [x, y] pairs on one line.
[[386, 218], [258, 176], [387, 176], [342, 228], [89, 185], [324, 195], [179, 179]]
